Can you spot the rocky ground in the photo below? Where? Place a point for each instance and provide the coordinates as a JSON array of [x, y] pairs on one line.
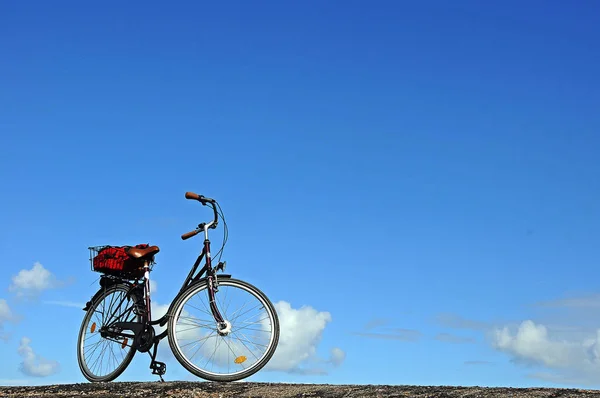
[[276, 390]]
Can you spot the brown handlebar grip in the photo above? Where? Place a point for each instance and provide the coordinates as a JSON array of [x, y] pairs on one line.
[[188, 235], [191, 195]]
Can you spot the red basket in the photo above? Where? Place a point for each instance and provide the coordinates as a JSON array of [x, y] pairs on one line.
[[114, 260]]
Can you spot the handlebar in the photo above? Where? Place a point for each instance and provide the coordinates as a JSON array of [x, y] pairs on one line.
[[204, 200], [188, 235]]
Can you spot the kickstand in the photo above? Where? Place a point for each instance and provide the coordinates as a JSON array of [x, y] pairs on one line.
[[158, 368]]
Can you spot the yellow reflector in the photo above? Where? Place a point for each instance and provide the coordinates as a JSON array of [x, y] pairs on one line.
[[240, 359], [93, 327], [124, 343]]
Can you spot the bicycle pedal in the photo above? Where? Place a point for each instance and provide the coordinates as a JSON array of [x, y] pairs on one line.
[[158, 368]]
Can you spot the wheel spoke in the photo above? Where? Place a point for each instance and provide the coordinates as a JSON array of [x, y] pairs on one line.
[[249, 328], [188, 329], [206, 309], [226, 308], [205, 340], [197, 341], [251, 342], [217, 341], [192, 320], [245, 312], [244, 344]]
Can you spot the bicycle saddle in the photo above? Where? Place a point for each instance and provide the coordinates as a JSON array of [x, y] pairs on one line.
[[139, 253]]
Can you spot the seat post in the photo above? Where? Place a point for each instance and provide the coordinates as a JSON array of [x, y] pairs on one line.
[[147, 285]]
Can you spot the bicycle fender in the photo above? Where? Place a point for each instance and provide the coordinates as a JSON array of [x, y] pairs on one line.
[[87, 305], [204, 279]]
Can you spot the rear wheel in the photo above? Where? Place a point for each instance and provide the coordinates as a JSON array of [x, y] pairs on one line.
[[241, 348], [103, 359]]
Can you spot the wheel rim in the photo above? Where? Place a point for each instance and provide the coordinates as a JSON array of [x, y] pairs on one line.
[[98, 353], [245, 339]]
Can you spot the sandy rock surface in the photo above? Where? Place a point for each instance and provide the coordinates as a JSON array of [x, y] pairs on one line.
[[276, 390]]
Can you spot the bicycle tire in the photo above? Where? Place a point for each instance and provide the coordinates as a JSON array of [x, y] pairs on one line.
[[254, 291], [83, 330]]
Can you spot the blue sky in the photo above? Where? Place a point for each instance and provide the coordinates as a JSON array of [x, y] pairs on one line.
[[414, 183]]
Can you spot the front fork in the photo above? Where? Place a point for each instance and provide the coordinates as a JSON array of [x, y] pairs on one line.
[[213, 288]]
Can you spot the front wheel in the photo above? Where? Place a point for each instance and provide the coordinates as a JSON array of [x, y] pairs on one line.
[[241, 349]]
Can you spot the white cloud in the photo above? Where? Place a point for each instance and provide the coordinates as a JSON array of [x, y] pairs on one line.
[[455, 321], [337, 356], [454, 339], [300, 334], [591, 301], [6, 315], [561, 345], [32, 282], [158, 311], [531, 343], [70, 304], [408, 335], [376, 322], [34, 365], [153, 286]]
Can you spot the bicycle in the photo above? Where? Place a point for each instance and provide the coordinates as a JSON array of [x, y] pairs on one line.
[[132, 329]]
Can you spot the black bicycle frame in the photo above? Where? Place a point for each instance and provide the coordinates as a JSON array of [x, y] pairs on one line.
[[192, 278]]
